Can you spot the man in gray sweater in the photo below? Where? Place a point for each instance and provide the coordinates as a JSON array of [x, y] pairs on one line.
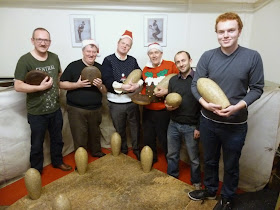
[[239, 73]]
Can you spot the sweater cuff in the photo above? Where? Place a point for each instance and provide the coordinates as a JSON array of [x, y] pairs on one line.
[[140, 82], [117, 85]]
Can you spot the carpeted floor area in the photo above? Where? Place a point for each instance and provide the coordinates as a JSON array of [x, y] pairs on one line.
[[114, 183], [17, 190]]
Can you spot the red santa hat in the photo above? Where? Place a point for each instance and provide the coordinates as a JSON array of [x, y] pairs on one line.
[[127, 34], [154, 45], [87, 42]]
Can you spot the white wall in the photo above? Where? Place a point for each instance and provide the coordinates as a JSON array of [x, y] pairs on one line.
[[265, 39], [189, 31]]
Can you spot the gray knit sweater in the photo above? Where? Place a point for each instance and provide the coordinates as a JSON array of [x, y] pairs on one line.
[[240, 75]]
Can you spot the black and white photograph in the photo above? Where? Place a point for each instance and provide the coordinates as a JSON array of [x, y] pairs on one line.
[[155, 29], [82, 27]]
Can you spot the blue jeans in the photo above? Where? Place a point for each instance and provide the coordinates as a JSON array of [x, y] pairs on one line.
[[229, 137], [176, 132], [38, 125]]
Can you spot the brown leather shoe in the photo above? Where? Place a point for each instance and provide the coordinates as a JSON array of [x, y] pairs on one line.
[[64, 167]]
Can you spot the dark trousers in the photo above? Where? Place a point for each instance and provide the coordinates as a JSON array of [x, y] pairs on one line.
[[85, 128], [122, 113], [229, 137], [39, 124], [155, 125]]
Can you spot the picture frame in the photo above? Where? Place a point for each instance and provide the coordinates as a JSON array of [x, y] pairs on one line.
[[155, 29], [82, 27]]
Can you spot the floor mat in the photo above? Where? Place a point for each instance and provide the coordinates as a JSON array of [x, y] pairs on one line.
[[262, 200], [113, 183]]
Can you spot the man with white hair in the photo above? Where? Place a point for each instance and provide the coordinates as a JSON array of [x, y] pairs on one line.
[[155, 116], [115, 68], [84, 101]]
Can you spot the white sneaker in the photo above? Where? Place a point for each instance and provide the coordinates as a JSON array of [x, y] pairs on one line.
[[197, 186]]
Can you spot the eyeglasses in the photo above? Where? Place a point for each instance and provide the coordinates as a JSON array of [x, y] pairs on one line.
[[39, 41]]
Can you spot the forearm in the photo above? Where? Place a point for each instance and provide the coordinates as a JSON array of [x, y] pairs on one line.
[[21, 86], [240, 105], [103, 89], [66, 85], [107, 75]]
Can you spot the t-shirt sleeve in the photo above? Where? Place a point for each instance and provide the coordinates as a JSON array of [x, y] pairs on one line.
[[21, 69]]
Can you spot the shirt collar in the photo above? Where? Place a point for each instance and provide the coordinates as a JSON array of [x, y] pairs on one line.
[[86, 63], [119, 57], [150, 64], [191, 74]]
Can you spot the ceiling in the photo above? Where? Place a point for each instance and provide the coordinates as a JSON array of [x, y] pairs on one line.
[[146, 5]]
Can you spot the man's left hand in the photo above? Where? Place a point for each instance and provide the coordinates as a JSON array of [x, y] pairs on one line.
[[226, 112], [196, 134], [161, 92]]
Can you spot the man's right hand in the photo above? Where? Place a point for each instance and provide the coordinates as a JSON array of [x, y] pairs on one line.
[[170, 108], [83, 83], [46, 83]]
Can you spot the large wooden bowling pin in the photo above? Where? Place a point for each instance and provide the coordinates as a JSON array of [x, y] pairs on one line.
[[116, 143], [146, 157], [33, 183], [81, 160], [61, 202]]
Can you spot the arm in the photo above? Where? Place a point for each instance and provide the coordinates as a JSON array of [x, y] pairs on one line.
[[256, 80], [170, 90], [66, 85], [21, 86], [164, 91], [231, 109], [101, 87], [170, 108], [107, 75], [161, 92], [201, 72], [130, 86]]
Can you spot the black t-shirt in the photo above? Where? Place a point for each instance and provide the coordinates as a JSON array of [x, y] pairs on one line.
[[85, 98]]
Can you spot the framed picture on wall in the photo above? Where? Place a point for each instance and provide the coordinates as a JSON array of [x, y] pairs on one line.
[[155, 29], [82, 27]]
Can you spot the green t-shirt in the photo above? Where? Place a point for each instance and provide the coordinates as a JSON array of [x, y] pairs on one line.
[[41, 102]]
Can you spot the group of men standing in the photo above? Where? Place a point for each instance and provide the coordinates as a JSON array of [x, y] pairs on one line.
[[237, 70]]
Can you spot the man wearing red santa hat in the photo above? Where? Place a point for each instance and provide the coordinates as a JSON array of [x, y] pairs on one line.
[[115, 68], [155, 116]]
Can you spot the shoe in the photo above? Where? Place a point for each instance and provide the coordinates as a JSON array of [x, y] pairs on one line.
[[223, 204], [124, 152], [98, 154], [64, 167], [137, 154], [197, 186], [155, 160], [198, 195]]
